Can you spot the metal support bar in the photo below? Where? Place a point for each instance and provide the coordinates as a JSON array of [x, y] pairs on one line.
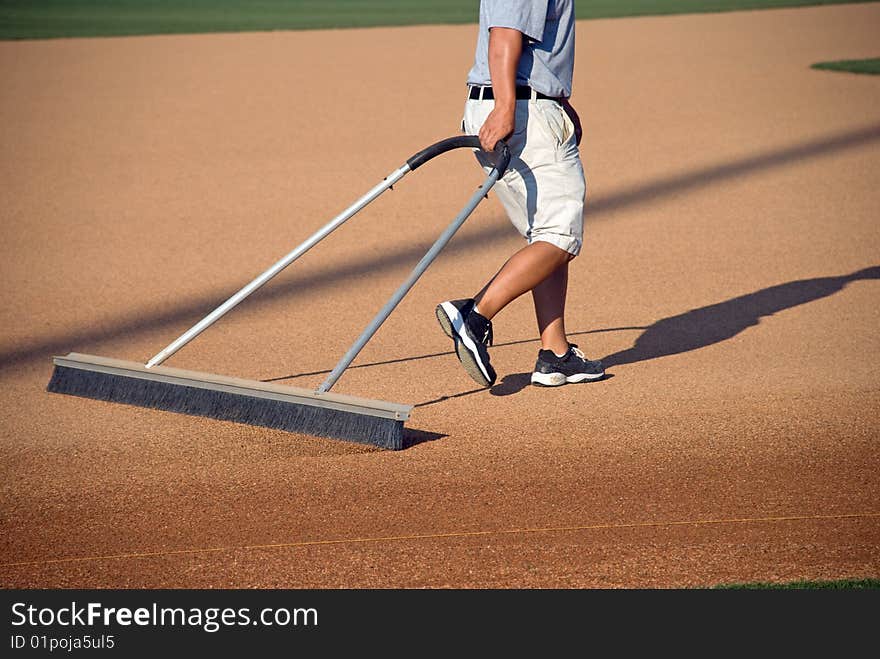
[[427, 259], [328, 228]]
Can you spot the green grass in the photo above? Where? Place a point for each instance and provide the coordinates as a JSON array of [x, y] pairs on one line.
[[843, 584], [869, 66], [41, 19]]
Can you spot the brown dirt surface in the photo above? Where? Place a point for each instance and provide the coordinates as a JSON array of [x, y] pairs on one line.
[[729, 282]]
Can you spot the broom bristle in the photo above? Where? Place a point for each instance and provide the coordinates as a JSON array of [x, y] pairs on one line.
[[226, 406]]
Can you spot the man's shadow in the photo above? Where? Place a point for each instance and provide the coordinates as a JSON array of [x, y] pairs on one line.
[[705, 326], [715, 323]]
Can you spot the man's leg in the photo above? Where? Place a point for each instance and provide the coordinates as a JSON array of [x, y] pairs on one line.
[[543, 269], [525, 270], [549, 299]]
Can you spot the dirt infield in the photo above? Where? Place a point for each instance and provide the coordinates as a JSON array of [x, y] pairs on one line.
[[728, 280]]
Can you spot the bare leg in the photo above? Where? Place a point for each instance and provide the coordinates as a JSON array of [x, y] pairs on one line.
[[549, 299], [541, 268]]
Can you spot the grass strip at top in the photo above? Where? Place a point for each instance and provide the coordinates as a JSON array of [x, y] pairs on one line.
[[42, 19], [868, 66], [842, 584]]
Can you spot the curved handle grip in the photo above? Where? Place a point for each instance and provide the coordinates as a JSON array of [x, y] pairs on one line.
[[500, 156]]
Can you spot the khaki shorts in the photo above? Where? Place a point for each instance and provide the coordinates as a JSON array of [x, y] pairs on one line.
[[543, 190]]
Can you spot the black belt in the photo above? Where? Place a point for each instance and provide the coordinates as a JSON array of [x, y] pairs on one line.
[[522, 93]]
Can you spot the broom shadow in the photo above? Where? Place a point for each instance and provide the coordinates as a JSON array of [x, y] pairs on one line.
[[413, 437], [432, 355], [188, 312], [509, 384], [705, 326]]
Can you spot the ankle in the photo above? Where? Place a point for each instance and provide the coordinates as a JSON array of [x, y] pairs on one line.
[[558, 349], [477, 310]]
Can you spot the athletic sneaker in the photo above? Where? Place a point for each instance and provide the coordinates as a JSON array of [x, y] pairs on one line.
[[552, 371], [472, 333]]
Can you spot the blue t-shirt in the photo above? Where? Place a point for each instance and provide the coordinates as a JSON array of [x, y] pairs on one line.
[[547, 60]]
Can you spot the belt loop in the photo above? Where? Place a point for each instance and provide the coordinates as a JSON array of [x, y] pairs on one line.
[[482, 89], [534, 94]]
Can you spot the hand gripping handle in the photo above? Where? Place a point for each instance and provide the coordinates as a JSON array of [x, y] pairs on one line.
[[500, 156]]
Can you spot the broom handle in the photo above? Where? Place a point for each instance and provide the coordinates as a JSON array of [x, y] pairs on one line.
[[502, 158], [411, 164], [322, 233]]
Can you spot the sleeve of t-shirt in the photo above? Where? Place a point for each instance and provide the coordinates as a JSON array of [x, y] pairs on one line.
[[527, 16]]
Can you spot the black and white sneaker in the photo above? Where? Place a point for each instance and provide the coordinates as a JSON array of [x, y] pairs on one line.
[[472, 333], [552, 371]]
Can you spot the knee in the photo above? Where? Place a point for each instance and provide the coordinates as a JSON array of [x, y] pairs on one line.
[[560, 256], [557, 248]]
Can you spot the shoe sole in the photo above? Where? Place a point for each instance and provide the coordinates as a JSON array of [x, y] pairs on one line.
[[452, 322], [445, 323], [559, 379]]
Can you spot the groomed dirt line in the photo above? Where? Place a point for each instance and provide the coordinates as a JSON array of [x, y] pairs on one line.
[[729, 282]]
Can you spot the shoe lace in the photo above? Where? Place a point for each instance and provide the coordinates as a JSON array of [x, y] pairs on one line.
[[577, 351], [480, 325]]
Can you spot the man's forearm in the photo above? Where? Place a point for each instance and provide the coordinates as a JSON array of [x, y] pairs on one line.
[[505, 49]]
